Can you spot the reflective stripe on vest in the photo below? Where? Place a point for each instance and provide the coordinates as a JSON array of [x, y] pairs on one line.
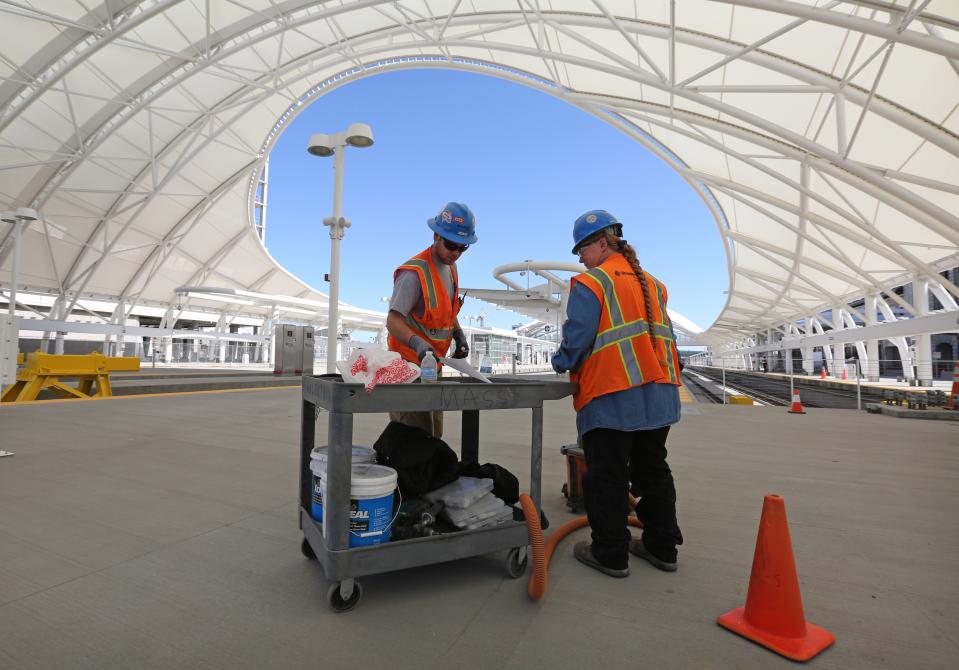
[[623, 355], [438, 320], [424, 266], [437, 333], [670, 356], [615, 312]]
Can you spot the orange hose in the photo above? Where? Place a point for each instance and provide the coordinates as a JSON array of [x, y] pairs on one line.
[[542, 554]]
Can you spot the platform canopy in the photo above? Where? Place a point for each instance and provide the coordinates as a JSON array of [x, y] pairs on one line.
[[821, 134]]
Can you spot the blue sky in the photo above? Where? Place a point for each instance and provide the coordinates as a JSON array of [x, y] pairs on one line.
[[526, 163]]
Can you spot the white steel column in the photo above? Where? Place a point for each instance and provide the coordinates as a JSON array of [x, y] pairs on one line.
[[121, 321], [860, 346], [900, 342], [920, 297], [809, 353], [271, 330], [838, 350], [219, 342], [827, 357], [57, 311], [771, 356], [788, 353], [872, 346]]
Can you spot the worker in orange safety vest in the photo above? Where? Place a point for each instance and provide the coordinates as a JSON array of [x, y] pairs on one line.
[[425, 302], [619, 347]]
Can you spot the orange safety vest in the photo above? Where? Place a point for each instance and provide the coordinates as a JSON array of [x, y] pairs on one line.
[[623, 356], [441, 308]]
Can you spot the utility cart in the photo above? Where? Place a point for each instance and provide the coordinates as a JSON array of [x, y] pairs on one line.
[[343, 564]]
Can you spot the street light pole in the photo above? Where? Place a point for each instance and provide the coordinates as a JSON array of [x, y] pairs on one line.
[[11, 218], [337, 226], [360, 136]]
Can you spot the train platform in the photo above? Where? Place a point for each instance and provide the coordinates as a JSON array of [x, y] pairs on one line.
[[177, 380], [160, 532]]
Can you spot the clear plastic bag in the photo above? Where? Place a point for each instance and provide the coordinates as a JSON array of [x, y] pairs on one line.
[[461, 493], [502, 516], [377, 366], [487, 511]]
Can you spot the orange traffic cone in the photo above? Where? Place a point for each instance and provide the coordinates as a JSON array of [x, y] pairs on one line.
[[844, 377], [796, 407], [823, 372], [773, 614], [953, 401]]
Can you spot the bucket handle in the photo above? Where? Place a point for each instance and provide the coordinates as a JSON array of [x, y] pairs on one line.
[[395, 516]]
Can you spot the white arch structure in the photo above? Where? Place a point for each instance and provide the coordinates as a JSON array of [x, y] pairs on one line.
[[822, 135], [544, 299]]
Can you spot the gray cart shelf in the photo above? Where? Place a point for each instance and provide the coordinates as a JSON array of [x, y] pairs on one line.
[[343, 564]]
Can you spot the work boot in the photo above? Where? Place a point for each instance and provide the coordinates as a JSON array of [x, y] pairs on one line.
[[637, 548], [583, 551]]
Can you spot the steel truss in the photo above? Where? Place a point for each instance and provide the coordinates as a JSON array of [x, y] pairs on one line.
[[820, 219]]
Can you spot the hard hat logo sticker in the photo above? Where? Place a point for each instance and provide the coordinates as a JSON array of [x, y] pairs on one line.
[[447, 216], [591, 218]]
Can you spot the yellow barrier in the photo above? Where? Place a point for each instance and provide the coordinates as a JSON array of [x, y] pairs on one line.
[[740, 400], [44, 371]]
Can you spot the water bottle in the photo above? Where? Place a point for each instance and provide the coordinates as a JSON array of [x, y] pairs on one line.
[[486, 365], [428, 368]]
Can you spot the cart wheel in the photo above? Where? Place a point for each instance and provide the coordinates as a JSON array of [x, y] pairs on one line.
[[516, 561], [307, 550], [336, 600]]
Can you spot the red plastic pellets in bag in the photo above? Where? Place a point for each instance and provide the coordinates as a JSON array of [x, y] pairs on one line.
[[377, 366]]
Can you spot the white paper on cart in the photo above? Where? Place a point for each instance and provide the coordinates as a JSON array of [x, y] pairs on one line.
[[461, 365]]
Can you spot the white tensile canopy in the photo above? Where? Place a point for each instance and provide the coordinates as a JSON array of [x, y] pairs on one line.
[[821, 134]]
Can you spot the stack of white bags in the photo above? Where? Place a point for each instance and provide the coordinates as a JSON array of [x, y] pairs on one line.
[[470, 503]]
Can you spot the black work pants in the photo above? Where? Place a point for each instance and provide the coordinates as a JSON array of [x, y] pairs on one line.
[[614, 458]]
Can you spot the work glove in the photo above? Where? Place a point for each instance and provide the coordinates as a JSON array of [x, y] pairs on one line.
[[421, 346], [462, 348]]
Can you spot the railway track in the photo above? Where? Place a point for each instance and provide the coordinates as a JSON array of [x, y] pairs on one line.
[[699, 389], [770, 390]]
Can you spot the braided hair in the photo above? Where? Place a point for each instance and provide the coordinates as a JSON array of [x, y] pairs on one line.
[[620, 245]]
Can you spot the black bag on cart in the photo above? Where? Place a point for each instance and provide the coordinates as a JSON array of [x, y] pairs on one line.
[[422, 462]]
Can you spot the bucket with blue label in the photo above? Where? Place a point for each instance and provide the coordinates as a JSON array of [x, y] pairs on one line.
[[318, 468], [371, 504]]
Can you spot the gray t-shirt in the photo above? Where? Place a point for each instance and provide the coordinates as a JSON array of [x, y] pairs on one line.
[[408, 295]]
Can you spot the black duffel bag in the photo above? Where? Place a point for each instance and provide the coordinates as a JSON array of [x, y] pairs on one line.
[[422, 462]]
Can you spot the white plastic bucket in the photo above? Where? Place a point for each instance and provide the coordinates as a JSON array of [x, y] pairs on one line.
[[371, 504], [318, 468]]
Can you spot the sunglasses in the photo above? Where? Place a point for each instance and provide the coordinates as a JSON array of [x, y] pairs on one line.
[[455, 247], [582, 247]]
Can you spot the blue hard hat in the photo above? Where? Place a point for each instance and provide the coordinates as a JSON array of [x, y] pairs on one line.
[[591, 222], [456, 223]]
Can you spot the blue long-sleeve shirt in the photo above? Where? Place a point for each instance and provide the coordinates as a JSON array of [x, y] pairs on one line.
[[643, 407]]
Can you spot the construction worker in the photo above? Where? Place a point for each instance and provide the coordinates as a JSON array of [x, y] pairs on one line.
[[425, 302], [619, 346]]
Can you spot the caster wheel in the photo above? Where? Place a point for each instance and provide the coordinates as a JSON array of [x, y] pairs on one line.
[[516, 561], [336, 600], [307, 550]]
